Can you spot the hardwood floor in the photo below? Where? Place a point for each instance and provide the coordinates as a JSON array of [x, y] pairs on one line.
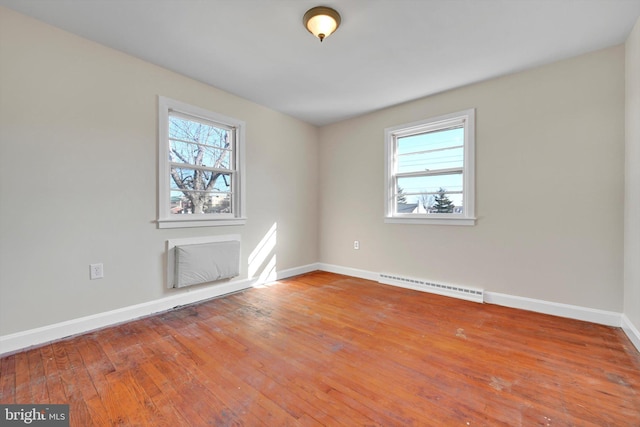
[[325, 349]]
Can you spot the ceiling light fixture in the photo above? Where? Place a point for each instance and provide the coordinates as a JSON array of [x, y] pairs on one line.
[[321, 21]]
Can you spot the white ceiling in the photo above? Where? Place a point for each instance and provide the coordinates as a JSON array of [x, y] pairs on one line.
[[384, 53]]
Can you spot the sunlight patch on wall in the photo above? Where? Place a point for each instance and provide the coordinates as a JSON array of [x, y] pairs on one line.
[[268, 276], [262, 260]]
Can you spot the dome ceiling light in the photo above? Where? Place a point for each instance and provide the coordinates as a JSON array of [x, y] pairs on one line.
[[321, 21]]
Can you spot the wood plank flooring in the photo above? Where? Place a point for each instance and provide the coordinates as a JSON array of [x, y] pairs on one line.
[[323, 349]]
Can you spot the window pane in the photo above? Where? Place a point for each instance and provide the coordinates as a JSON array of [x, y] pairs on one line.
[[200, 202], [201, 133], [193, 190], [199, 155], [196, 191], [199, 180], [442, 149], [426, 203], [431, 184], [199, 144], [431, 160], [431, 140]]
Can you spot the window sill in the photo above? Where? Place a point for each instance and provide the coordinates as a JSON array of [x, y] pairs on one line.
[[199, 222], [430, 221]]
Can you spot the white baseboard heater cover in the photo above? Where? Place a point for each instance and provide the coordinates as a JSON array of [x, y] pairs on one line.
[[455, 291], [201, 260]]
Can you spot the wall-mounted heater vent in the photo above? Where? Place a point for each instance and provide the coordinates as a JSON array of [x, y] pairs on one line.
[[196, 260], [462, 292]]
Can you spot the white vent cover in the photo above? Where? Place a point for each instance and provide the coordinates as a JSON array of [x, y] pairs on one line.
[[455, 291], [206, 262], [220, 265]]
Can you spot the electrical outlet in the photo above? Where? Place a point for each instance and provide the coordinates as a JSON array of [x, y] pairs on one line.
[[96, 271], [356, 244]]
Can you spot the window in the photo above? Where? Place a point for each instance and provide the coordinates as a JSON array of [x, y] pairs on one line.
[[430, 171], [201, 178]]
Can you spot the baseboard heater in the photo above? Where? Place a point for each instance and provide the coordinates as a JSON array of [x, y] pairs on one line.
[[455, 291], [202, 260]]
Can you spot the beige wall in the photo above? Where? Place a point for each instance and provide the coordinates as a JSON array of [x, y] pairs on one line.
[[549, 188], [632, 181], [78, 161]]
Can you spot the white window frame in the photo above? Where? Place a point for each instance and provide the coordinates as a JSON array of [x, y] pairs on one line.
[[466, 118], [165, 218]]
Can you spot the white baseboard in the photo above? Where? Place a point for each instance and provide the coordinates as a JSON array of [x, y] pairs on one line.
[[631, 331], [296, 271], [602, 317], [347, 271], [33, 337]]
